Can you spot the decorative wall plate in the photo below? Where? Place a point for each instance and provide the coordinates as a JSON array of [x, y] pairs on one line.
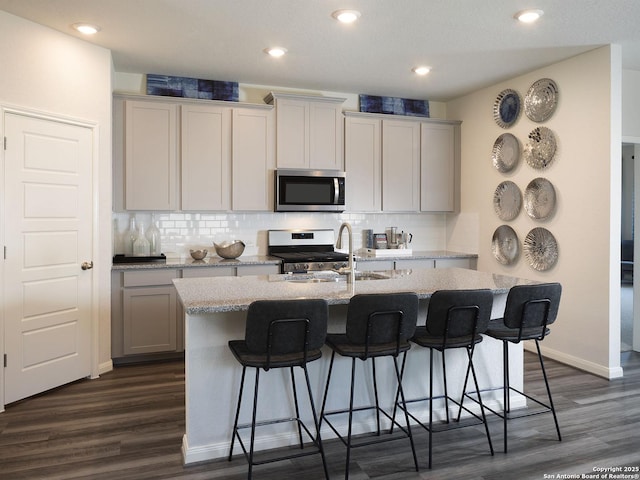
[[541, 249], [541, 148], [507, 200], [541, 100], [506, 108], [539, 198], [506, 152], [504, 245]]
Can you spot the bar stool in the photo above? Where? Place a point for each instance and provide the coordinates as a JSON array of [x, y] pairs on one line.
[[281, 334], [378, 325], [530, 309], [455, 319]]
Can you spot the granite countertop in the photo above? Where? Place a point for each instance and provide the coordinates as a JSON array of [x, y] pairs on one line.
[[391, 254], [210, 261], [226, 294]]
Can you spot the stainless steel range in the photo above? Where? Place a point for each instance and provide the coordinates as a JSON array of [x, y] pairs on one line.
[[305, 251]]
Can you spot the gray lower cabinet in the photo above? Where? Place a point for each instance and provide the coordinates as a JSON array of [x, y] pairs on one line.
[[409, 263], [147, 320], [146, 317]]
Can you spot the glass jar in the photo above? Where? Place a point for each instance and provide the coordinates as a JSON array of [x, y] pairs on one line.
[[141, 244], [153, 236]]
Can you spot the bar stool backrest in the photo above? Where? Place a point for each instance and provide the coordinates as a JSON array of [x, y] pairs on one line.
[[282, 327], [532, 306], [459, 313], [379, 318]]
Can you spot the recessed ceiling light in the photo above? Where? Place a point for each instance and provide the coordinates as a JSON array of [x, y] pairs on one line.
[[275, 51], [86, 28], [421, 70], [528, 16], [346, 16]]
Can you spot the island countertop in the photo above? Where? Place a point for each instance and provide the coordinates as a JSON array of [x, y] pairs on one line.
[[227, 294]]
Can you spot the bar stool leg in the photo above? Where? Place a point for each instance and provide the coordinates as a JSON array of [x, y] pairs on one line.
[[353, 372], [444, 379], [326, 390], [316, 423], [505, 390], [375, 394], [546, 383], [404, 409], [235, 423], [475, 381], [430, 402], [295, 401], [253, 423]]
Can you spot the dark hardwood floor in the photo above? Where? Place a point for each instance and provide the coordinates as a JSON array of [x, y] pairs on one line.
[[129, 423]]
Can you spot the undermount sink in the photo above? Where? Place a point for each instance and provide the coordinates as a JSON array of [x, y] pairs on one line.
[[325, 277], [313, 279], [371, 276]]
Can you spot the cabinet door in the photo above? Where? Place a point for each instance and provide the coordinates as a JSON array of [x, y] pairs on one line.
[[292, 133], [414, 263], [363, 164], [150, 155], [438, 168], [206, 157], [400, 166], [150, 320], [325, 136], [252, 160]]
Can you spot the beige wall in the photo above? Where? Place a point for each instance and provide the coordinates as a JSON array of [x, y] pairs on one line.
[[586, 224], [48, 72]]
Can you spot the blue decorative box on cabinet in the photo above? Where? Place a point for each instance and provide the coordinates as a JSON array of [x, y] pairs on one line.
[[394, 105], [169, 86]]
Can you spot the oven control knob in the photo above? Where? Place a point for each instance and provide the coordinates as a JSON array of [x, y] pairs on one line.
[[321, 266]]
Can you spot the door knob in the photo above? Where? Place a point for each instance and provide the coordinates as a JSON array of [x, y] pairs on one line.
[[87, 265]]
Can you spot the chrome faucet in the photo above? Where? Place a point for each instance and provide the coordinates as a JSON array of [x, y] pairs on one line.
[[350, 270]]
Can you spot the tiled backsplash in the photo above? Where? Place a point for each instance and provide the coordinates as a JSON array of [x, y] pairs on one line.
[[183, 231]]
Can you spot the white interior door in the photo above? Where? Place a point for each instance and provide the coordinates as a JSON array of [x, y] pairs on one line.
[[48, 237]]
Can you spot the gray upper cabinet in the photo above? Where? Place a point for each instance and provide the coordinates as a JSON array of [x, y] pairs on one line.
[[253, 160], [192, 155], [402, 164], [439, 167], [150, 146], [309, 131], [205, 162]]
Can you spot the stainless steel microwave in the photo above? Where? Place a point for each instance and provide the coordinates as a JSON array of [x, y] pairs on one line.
[[309, 190]]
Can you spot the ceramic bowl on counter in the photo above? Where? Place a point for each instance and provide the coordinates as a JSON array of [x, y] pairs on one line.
[[229, 249], [198, 254]]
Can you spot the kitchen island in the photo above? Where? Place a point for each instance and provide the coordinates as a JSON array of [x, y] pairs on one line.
[[215, 311]]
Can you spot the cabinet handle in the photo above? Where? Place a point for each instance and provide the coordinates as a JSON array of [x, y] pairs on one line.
[[87, 265]]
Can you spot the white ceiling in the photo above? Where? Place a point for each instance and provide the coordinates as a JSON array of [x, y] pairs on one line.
[[469, 44]]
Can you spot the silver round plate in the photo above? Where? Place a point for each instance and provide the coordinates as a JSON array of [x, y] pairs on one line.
[[541, 148], [505, 153], [541, 100], [505, 245], [540, 249], [507, 200], [539, 198], [506, 108]]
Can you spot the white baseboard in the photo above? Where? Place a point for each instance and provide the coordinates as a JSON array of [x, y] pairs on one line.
[[215, 451], [590, 367], [105, 367]]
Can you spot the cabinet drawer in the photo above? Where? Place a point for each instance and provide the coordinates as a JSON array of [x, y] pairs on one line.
[[208, 272], [258, 270], [145, 278], [419, 263]]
